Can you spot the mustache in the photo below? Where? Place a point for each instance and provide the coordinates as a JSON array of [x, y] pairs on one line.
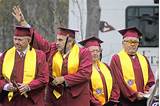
[[17, 44]]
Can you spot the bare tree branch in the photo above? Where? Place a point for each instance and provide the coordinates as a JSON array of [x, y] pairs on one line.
[[93, 17], [81, 19]]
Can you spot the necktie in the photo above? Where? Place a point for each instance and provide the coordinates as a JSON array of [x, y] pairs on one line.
[[22, 54]]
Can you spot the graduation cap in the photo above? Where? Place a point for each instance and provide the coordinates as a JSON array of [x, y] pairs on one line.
[[23, 31], [131, 32], [65, 32], [91, 41]]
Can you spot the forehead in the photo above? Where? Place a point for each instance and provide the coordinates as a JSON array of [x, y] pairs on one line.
[[21, 37], [61, 36], [94, 47], [64, 37], [131, 38]]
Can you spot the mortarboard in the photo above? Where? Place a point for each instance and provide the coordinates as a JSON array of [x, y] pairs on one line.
[[23, 31], [131, 32], [91, 41], [65, 31]]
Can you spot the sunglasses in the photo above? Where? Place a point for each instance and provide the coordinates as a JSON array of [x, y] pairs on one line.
[[131, 41]]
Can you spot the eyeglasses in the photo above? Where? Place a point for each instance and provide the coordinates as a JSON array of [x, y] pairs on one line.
[[131, 41]]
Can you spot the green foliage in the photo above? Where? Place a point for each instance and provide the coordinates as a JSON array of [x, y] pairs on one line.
[[44, 15]]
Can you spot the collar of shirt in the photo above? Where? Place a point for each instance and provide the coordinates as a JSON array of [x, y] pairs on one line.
[[133, 56], [24, 51]]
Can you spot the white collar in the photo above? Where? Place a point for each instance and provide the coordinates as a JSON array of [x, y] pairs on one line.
[[24, 51]]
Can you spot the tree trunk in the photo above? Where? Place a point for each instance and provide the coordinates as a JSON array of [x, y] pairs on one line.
[[93, 17]]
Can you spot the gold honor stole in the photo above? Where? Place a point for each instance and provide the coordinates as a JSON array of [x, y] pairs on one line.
[[73, 64], [97, 84], [128, 71], [29, 66]]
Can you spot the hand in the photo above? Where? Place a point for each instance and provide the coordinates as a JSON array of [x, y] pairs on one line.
[[17, 13], [140, 96], [58, 80], [23, 88], [10, 87], [146, 92]]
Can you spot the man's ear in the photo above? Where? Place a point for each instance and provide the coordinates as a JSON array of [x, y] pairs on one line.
[[123, 44]]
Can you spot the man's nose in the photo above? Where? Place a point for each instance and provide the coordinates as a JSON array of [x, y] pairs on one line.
[[57, 43], [16, 41], [95, 54]]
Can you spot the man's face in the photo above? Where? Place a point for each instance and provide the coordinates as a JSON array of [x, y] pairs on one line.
[[95, 52], [21, 43], [130, 45], [60, 42]]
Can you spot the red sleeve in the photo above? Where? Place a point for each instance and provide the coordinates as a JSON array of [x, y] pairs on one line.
[[151, 80], [115, 94], [42, 75], [42, 44], [50, 67], [84, 71], [117, 73], [2, 81]]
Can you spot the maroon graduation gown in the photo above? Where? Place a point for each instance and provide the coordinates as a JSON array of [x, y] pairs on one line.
[[37, 86], [115, 90], [77, 93], [128, 96]]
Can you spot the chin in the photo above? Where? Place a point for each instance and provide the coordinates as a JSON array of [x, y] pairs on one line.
[[95, 60], [59, 49], [132, 53]]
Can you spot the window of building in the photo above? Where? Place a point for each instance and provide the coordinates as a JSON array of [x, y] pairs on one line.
[[146, 19]]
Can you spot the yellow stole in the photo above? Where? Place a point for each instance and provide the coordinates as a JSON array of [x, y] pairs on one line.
[[97, 84], [128, 71], [29, 66], [73, 64]]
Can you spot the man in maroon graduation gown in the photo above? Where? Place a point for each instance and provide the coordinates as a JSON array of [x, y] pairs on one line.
[[25, 66], [69, 66], [132, 70], [108, 93]]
